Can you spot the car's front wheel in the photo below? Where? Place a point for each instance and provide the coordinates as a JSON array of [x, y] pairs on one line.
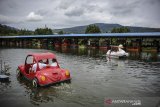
[[35, 83]]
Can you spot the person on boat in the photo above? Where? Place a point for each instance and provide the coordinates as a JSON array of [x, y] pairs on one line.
[[41, 65], [117, 52], [54, 63]]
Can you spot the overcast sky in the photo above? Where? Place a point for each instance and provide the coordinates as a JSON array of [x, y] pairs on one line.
[[30, 14]]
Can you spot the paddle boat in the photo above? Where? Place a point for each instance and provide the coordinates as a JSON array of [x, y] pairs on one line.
[[117, 52], [42, 69]]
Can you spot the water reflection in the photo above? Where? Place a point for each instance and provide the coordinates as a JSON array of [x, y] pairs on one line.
[[94, 78], [135, 55], [149, 56], [117, 62], [145, 56], [4, 85]]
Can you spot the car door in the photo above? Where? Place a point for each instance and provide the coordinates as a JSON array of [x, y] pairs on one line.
[[28, 66]]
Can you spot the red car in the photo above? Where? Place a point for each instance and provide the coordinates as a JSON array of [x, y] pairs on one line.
[[42, 75]]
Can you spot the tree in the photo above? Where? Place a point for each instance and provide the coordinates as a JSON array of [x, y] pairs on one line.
[[6, 30], [92, 29], [43, 31], [61, 32], [24, 32], [120, 30]]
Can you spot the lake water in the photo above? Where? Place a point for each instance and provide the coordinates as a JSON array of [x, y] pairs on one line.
[[94, 79]]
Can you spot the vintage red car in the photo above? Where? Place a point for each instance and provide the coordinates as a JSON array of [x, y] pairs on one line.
[[47, 74]]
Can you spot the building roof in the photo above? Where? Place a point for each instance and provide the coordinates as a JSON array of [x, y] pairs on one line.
[[146, 34]]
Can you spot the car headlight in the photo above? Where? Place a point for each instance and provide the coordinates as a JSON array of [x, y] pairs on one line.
[[43, 78], [67, 73]]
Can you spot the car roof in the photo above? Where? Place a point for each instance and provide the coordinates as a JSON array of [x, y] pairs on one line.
[[41, 56]]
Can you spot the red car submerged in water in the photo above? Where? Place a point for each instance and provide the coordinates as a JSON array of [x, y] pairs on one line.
[[42, 75]]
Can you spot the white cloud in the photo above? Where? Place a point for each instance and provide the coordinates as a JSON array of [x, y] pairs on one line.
[[69, 13], [34, 17]]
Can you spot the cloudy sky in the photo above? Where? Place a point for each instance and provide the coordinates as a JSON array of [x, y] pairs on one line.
[[30, 14]]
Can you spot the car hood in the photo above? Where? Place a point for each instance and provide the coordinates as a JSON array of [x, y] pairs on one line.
[[53, 74]]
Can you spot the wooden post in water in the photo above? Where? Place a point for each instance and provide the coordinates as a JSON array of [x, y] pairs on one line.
[[1, 66]]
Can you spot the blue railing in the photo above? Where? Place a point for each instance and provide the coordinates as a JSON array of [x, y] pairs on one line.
[[146, 34]]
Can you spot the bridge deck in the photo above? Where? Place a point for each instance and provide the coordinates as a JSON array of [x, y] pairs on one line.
[[146, 34]]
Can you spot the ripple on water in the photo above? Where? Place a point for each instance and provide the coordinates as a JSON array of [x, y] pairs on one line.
[[93, 79]]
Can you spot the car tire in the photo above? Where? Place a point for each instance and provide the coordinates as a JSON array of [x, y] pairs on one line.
[[18, 73], [35, 83]]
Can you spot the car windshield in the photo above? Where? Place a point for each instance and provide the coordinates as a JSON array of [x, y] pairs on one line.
[[52, 61], [44, 61], [48, 61]]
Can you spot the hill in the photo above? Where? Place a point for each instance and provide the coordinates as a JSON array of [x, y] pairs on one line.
[[7, 30], [106, 28]]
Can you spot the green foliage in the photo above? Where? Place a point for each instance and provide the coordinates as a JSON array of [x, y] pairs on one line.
[[92, 29], [120, 30], [24, 32], [43, 31], [5, 30], [61, 32]]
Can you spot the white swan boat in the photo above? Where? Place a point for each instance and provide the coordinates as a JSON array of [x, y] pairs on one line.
[[120, 53]]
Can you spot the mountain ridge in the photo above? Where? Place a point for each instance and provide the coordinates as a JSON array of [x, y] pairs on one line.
[[106, 27]]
